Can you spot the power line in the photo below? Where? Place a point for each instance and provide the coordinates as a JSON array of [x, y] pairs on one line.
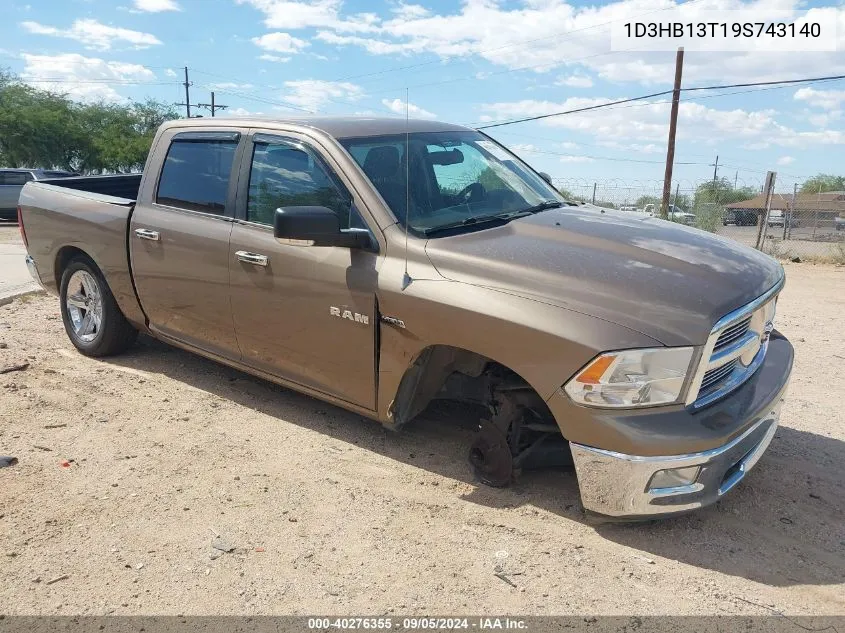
[[659, 94], [574, 111], [609, 158]]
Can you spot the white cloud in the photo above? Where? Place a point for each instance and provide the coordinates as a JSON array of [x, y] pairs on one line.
[[82, 78], [280, 43], [242, 112], [171, 73], [575, 81], [785, 160], [648, 123], [293, 14], [562, 35], [229, 85], [94, 35], [824, 99], [638, 148], [274, 58], [823, 120], [156, 6], [312, 94], [575, 159], [410, 11], [517, 148], [398, 106]]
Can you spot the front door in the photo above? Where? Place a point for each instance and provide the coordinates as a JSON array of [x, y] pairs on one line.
[[179, 242], [303, 313]]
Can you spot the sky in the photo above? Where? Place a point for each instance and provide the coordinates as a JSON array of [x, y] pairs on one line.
[[468, 62]]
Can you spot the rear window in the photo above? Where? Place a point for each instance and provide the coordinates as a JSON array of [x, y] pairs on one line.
[[196, 174], [15, 177]]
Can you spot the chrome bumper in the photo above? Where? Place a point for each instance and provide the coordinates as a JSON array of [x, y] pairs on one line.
[[618, 485], [33, 271]]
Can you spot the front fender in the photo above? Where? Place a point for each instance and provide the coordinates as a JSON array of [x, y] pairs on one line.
[[544, 344]]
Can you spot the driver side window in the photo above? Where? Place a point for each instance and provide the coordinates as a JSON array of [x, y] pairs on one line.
[[289, 175]]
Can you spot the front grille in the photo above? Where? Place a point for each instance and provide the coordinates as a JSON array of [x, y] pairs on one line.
[[714, 376], [732, 333], [735, 350]]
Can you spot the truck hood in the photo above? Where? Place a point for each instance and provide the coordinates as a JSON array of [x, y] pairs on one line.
[[662, 279]]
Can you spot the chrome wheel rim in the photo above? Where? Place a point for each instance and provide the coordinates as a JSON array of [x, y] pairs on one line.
[[84, 306]]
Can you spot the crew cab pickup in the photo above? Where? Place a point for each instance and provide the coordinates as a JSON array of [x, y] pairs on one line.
[[380, 264]]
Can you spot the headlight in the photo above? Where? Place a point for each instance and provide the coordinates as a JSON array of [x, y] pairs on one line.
[[632, 378]]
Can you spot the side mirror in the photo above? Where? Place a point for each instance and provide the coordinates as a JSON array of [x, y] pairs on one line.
[[546, 177], [315, 226]]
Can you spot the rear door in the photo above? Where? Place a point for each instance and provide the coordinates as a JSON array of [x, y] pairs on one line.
[[303, 313], [179, 239]]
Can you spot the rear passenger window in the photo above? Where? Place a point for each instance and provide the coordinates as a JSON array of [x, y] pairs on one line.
[[196, 174], [14, 177]]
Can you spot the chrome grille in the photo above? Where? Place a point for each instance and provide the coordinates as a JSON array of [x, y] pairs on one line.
[[732, 333], [734, 350], [713, 376]]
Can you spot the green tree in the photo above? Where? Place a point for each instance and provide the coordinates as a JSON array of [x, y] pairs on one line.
[[37, 127], [822, 183], [720, 192], [44, 129]]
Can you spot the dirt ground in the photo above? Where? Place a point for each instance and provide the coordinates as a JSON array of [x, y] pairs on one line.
[[329, 513], [9, 233]]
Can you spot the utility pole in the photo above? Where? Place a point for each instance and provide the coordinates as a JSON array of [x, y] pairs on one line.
[[187, 103], [787, 223], [594, 192], [673, 125], [768, 188], [715, 170], [736, 179], [212, 106]]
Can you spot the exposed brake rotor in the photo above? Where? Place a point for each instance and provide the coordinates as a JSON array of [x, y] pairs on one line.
[[490, 456]]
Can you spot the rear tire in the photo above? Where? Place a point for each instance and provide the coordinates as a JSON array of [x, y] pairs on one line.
[[93, 321]]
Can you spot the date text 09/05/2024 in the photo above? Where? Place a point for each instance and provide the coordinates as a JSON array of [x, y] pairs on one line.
[[417, 624]]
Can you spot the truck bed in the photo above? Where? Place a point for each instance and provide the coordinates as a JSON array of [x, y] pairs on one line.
[[121, 186], [62, 217]]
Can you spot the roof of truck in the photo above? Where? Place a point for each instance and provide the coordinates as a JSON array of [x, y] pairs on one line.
[[336, 126]]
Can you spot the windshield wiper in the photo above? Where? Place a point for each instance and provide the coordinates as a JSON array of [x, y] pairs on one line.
[[496, 217], [544, 205], [470, 221]]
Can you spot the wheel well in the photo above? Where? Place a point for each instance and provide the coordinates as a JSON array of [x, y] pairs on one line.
[[63, 258], [451, 373]]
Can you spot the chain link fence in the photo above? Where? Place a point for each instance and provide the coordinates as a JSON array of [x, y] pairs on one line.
[[801, 225]]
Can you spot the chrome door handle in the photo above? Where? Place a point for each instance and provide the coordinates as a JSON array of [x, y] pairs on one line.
[[147, 234], [252, 258]]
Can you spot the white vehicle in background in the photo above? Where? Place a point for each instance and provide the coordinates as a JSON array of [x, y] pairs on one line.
[[676, 214]]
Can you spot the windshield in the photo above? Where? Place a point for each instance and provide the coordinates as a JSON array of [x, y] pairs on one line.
[[456, 179]]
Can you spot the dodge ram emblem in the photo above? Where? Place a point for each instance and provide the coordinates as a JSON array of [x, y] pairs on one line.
[[343, 313]]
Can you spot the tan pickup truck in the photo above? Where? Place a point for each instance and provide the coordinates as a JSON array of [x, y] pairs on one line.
[[380, 264]]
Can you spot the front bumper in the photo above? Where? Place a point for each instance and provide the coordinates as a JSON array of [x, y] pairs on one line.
[[620, 485]]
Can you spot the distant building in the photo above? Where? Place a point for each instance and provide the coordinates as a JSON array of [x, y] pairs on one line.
[[823, 207]]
